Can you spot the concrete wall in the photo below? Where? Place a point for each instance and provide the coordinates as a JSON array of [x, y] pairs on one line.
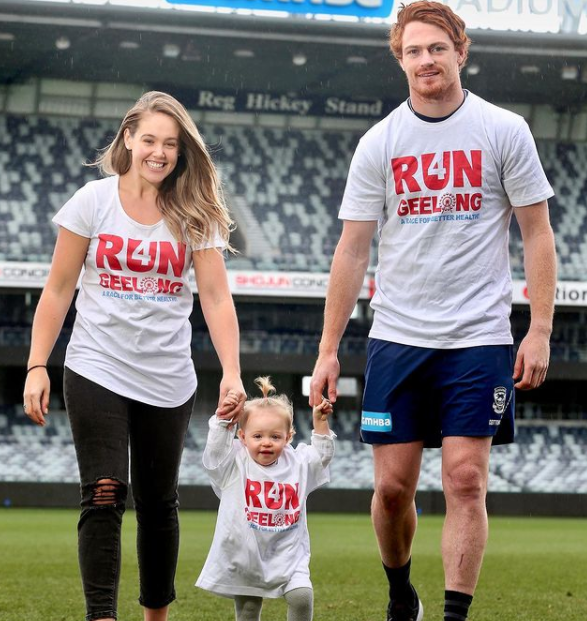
[[325, 500]]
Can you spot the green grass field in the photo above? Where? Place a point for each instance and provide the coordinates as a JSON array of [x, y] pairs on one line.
[[535, 570]]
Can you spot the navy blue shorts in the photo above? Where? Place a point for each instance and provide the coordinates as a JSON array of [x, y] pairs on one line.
[[417, 393]]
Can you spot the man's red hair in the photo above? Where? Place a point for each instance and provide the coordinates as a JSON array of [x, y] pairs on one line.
[[434, 13]]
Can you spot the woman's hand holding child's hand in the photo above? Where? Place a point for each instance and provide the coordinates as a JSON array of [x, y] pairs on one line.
[[228, 405]]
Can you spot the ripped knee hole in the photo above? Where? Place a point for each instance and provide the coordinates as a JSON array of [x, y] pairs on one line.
[[107, 492]]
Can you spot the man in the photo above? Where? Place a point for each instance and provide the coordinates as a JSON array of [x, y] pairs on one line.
[[441, 175]]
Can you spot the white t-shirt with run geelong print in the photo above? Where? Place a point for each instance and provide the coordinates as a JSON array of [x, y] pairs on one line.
[[132, 333], [443, 194], [261, 544]]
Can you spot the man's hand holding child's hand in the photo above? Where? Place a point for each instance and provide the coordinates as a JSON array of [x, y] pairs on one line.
[[323, 410]]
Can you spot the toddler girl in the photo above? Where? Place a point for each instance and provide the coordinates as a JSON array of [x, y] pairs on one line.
[[261, 545]]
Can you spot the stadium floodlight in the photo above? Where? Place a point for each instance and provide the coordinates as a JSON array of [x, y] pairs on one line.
[[129, 45], [62, 43], [299, 59], [171, 50], [530, 69], [244, 53], [569, 72], [356, 60]]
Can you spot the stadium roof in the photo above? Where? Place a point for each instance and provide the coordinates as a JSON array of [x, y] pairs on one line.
[[229, 51]]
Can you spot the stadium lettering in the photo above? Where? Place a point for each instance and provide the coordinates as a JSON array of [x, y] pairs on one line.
[[576, 8], [271, 495], [270, 281], [140, 256], [565, 292], [428, 205], [309, 282], [263, 101], [260, 280], [208, 99], [436, 170], [353, 108], [571, 8], [139, 285], [10, 272]]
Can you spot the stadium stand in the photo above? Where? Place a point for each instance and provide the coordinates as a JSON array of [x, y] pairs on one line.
[[285, 184], [548, 456], [41, 167], [264, 331], [565, 165]]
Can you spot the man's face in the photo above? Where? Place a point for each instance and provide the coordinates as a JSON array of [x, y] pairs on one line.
[[430, 62]]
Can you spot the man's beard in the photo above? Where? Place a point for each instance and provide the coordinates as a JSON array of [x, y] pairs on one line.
[[436, 91]]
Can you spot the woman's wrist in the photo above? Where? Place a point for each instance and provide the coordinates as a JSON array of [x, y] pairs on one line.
[[231, 372]]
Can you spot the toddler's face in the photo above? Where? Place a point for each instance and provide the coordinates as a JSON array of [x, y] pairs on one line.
[[265, 435]]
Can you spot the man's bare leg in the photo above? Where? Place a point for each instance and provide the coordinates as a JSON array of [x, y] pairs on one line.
[[465, 467], [397, 469], [393, 511]]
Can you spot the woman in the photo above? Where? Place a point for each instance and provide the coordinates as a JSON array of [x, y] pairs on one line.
[[129, 378]]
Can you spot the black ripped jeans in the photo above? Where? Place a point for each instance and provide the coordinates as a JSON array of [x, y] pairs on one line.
[[104, 424]]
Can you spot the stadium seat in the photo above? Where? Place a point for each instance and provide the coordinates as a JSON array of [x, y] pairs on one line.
[[547, 457], [290, 182]]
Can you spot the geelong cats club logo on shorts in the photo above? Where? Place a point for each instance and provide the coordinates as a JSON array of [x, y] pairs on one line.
[[499, 399]]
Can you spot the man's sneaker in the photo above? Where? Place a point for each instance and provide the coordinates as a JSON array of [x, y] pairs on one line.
[[399, 611]]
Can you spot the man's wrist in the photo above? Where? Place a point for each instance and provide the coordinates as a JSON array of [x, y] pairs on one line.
[[328, 349], [542, 328]]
